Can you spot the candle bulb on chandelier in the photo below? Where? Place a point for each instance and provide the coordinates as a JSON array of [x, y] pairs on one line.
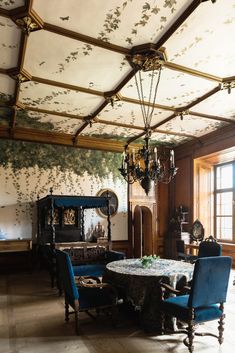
[[172, 158], [155, 153], [123, 158]]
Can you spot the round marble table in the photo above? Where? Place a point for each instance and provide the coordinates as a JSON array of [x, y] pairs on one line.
[[140, 285]]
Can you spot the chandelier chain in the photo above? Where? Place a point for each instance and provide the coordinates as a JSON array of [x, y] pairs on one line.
[[150, 96], [155, 93], [147, 115], [141, 97]]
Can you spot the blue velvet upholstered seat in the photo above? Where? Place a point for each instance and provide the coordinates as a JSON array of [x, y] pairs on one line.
[[205, 299], [97, 269], [209, 247], [84, 296], [89, 270]]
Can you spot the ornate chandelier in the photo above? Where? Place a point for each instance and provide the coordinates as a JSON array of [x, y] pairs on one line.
[[148, 165]]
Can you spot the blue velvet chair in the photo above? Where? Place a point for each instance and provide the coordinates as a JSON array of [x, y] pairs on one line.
[[85, 295], [209, 247], [205, 300]]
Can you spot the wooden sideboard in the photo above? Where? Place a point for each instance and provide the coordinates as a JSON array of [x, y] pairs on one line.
[[15, 245], [15, 254]]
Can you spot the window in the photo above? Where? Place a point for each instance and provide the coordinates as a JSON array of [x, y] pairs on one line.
[[224, 191]]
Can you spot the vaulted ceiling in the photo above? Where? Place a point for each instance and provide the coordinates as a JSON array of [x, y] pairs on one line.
[[66, 75]]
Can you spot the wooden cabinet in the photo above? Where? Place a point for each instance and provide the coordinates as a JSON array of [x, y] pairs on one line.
[[178, 229]]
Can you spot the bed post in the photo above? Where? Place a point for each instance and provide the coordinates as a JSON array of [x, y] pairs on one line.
[[82, 231], [52, 243], [109, 223]]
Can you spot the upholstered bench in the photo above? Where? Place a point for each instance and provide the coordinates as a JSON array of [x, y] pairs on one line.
[[93, 263]]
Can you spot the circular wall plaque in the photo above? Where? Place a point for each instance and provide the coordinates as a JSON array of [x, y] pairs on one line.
[[113, 203]]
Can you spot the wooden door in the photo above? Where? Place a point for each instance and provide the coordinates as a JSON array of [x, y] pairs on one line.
[[137, 241], [147, 238], [143, 239]]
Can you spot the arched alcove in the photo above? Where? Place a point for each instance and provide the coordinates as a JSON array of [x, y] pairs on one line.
[[143, 234]]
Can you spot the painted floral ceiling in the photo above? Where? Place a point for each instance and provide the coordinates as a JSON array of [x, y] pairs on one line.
[[67, 74]]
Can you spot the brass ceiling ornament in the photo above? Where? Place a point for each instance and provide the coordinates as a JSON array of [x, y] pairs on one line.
[[19, 76], [228, 85], [146, 58], [182, 113], [153, 61], [27, 24], [113, 98], [90, 120]]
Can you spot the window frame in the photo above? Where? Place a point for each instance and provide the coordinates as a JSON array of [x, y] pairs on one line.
[[220, 191]]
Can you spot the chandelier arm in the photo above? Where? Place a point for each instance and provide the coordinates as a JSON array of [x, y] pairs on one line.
[[155, 94]]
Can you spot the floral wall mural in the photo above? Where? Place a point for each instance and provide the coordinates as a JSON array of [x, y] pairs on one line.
[[28, 170]]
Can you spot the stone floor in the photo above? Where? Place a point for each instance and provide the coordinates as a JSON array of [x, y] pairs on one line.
[[32, 321]]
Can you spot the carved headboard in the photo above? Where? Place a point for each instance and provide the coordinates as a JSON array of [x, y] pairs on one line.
[[61, 218]]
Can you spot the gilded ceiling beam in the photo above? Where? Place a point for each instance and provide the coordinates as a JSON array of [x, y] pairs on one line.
[[3, 71], [4, 12], [136, 101], [83, 38], [39, 136], [187, 70], [66, 86], [212, 117], [51, 112], [167, 132], [200, 99], [114, 123]]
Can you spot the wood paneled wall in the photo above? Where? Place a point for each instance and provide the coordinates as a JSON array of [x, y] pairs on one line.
[[181, 190], [122, 245]]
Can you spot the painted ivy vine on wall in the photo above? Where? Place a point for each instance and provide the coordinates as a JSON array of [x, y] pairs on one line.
[[26, 154], [64, 167]]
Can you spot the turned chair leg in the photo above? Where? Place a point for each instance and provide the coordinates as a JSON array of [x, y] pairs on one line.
[[191, 335], [191, 332], [221, 325], [76, 313]]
